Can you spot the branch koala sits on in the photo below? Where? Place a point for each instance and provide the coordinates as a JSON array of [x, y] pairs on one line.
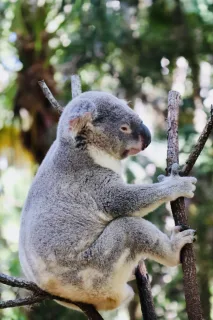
[[82, 228]]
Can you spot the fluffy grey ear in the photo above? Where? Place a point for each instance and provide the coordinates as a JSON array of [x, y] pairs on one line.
[[81, 113]]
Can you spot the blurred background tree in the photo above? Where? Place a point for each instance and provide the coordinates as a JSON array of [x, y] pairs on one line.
[[137, 50]]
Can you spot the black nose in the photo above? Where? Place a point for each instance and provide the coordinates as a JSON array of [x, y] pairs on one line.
[[144, 131]]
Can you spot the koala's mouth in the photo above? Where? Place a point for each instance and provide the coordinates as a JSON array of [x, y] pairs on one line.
[[138, 147], [133, 151], [142, 142]]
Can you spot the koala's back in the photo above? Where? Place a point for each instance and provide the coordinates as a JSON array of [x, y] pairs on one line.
[[60, 219]]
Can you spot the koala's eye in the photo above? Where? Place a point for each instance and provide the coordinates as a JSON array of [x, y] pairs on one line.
[[125, 128]]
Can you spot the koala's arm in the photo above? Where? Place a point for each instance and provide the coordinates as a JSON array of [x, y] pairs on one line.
[[120, 199]]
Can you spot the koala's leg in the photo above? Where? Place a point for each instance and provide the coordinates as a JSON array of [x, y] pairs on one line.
[[110, 260], [146, 240], [126, 240]]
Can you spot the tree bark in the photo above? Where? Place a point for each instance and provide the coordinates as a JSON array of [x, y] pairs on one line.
[[75, 85], [193, 303], [39, 295], [145, 293]]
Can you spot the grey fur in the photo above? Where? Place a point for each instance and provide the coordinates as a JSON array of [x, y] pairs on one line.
[[82, 231]]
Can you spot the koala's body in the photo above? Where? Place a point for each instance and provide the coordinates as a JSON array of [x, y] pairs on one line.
[[82, 231]]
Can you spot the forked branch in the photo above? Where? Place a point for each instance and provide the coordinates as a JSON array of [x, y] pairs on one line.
[[39, 295]]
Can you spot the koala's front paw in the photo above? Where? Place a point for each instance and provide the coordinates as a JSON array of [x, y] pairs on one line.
[[178, 186], [181, 235]]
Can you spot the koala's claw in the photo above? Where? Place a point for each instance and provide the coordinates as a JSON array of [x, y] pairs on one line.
[[184, 227], [195, 236], [180, 228]]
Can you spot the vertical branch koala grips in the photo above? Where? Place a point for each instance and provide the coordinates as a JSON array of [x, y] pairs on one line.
[[193, 304]]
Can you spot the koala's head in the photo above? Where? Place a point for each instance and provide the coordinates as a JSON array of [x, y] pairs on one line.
[[101, 120]]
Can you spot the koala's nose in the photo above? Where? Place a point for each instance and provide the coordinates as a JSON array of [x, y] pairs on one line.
[[146, 135]]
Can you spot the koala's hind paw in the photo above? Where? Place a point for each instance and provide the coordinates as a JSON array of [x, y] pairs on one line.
[[180, 228], [180, 237], [182, 231], [185, 227]]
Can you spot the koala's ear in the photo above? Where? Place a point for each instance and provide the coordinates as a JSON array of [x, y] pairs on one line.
[[80, 114]]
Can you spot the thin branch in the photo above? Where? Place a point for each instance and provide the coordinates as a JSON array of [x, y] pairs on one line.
[[76, 85], [40, 295], [193, 304], [90, 311], [20, 283], [145, 293], [22, 301], [173, 115], [47, 93], [199, 145]]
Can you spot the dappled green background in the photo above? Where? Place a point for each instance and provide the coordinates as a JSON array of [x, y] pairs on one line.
[[137, 50]]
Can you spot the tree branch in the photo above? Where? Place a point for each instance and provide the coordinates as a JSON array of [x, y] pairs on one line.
[[49, 96], [199, 145], [22, 301], [145, 293], [20, 283], [40, 295], [75, 85], [193, 304]]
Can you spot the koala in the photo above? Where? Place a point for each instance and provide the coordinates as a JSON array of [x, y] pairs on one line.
[[82, 228]]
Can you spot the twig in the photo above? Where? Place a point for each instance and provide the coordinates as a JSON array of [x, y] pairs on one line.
[[22, 301], [49, 96], [145, 293], [193, 304], [40, 295], [76, 85], [173, 115], [199, 145], [76, 90], [20, 283]]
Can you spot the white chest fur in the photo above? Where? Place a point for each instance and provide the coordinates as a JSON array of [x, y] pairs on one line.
[[103, 159]]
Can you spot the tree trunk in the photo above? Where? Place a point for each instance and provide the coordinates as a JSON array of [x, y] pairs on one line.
[[30, 106]]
